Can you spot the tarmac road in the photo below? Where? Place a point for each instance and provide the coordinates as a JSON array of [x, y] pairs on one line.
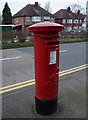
[[19, 103], [18, 64]]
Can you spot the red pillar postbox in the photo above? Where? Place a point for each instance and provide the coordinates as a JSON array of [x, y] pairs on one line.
[[46, 50]]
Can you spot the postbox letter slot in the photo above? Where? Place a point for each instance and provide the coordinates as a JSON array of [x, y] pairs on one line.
[[52, 43]]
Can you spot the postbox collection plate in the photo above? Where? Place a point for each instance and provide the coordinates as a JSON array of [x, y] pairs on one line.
[[52, 56]]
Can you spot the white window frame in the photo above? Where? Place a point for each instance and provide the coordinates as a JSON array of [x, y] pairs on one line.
[[16, 20], [27, 19], [36, 19], [69, 21], [46, 18], [76, 21], [64, 21]]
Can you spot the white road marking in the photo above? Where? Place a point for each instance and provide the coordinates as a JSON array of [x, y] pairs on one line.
[[10, 58], [63, 51], [20, 57]]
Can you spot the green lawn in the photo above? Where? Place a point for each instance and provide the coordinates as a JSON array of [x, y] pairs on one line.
[[28, 44]]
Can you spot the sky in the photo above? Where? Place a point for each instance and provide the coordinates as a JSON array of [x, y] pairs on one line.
[[55, 5]]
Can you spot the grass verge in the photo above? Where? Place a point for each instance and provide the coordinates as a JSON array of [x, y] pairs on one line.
[[17, 45], [31, 43], [72, 40]]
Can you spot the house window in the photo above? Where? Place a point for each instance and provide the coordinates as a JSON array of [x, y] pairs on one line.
[[36, 19], [80, 21], [69, 29], [75, 28], [51, 19], [64, 21], [69, 21], [16, 19], [80, 28], [76, 21], [27, 19], [46, 18]]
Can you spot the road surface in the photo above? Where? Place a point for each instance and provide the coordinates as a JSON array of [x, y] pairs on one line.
[[18, 67], [18, 64]]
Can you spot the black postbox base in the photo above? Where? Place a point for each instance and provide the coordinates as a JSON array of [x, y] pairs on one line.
[[46, 107]]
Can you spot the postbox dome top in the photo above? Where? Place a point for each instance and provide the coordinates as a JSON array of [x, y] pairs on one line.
[[46, 26]]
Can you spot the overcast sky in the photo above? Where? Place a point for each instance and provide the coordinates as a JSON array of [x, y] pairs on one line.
[[16, 5]]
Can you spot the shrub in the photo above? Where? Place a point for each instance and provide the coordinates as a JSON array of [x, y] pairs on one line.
[[21, 36], [7, 36], [82, 34]]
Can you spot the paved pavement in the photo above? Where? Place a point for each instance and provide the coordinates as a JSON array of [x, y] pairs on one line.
[[71, 99]]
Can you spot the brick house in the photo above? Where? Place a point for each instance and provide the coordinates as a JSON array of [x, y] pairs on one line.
[[29, 15], [70, 20]]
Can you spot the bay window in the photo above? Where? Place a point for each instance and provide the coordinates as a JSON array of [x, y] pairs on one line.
[[36, 19]]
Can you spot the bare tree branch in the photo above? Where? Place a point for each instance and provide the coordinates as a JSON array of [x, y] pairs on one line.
[[47, 6], [76, 7]]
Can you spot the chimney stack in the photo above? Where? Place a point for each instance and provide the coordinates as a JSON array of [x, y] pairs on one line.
[[69, 9], [78, 12], [36, 6]]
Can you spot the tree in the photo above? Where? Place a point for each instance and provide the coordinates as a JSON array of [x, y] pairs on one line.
[[76, 7], [87, 8], [6, 15], [47, 6], [0, 19]]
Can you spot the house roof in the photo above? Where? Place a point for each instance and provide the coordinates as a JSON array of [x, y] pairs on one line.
[[29, 10], [65, 14]]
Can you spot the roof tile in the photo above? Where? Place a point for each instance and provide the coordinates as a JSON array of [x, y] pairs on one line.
[[29, 10], [64, 14]]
